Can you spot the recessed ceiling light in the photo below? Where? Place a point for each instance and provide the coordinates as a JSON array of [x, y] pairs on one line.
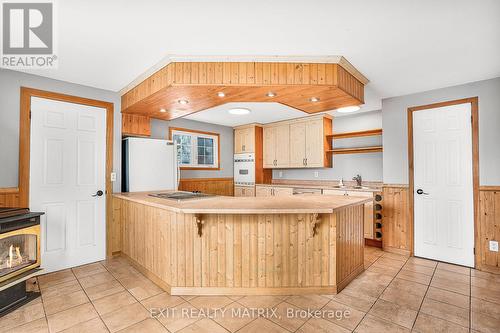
[[348, 109], [239, 111], [183, 101], [271, 94], [163, 110], [221, 94], [314, 99]]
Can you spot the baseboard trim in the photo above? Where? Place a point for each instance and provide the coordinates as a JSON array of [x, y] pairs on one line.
[[211, 291], [373, 242], [397, 251], [341, 285], [159, 282]]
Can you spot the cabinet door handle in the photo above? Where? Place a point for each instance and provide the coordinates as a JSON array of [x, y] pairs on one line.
[[306, 160]]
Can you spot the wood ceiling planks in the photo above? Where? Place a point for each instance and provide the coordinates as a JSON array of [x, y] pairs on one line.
[[199, 83]]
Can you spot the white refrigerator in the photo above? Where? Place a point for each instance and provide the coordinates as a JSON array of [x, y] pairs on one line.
[[149, 165]]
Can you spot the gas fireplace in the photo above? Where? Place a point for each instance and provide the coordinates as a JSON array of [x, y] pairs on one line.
[[19, 251], [19, 256]]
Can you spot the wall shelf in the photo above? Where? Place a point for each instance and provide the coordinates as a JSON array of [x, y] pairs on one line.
[[356, 150], [345, 135]]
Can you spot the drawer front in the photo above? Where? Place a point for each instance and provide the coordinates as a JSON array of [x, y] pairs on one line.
[[359, 194], [334, 192], [263, 191], [280, 191]]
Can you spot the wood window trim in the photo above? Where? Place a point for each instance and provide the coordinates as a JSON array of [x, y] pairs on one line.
[[474, 102], [180, 129], [24, 146]]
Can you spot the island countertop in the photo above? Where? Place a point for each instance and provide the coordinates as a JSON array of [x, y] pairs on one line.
[[296, 204]]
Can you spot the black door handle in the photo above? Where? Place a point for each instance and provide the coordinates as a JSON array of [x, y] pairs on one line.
[[98, 194], [420, 191]]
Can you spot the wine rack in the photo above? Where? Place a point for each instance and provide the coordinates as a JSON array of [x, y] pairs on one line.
[[378, 215]]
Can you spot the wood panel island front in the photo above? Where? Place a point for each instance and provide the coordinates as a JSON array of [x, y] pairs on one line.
[[242, 245]]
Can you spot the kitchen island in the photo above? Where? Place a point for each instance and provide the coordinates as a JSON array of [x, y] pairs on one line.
[[242, 245]]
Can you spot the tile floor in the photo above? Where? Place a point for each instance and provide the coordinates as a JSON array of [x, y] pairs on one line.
[[394, 294]]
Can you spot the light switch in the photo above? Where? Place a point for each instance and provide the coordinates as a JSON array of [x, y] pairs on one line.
[[316, 174], [280, 174], [113, 176], [493, 246]]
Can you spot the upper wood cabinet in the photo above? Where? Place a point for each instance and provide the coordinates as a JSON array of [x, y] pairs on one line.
[[135, 125], [244, 140], [299, 143], [276, 146]]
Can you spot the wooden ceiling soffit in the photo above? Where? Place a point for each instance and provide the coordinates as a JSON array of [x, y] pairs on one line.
[[199, 83]]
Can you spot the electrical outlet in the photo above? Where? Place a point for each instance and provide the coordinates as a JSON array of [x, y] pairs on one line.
[[280, 174], [493, 246], [316, 174], [113, 176]]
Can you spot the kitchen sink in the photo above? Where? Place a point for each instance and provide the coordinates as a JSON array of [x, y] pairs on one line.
[[351, 187], [181, 195]]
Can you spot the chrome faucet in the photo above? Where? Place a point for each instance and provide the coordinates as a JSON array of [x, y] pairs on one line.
[[358, 180]]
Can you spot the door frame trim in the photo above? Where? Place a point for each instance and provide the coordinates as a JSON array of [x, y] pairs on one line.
[[474, 102], [25, 149]]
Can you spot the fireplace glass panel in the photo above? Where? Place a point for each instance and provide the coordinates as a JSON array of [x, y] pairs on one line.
[[17, 252]]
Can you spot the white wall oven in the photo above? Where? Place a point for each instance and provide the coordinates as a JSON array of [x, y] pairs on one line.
[[244, 169]]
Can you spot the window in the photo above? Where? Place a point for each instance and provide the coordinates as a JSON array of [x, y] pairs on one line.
[[197, 150]]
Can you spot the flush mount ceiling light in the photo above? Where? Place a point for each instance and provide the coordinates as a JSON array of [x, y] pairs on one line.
[[271, 94], [239, 111], [183, 101], [221, 94], [348, 109], [163, 110], [314, 99]]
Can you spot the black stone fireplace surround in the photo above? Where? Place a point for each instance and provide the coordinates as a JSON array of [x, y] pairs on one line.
[[13, 292]]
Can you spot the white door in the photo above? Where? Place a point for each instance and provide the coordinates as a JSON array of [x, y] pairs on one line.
[[443, 187], [67, 169]]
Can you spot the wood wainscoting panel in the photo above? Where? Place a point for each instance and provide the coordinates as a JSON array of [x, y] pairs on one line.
[[9, 197], [115, 227], [218, 186], [397, 228], [350, 244], [397, 233], [489, 228]]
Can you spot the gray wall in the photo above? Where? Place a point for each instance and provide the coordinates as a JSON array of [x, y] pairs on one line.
[[10, 83], [369, 166], [395, 139], [159, 130]]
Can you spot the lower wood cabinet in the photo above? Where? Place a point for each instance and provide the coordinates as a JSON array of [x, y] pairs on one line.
[[272, 191], [244, 191], [369, 226]]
